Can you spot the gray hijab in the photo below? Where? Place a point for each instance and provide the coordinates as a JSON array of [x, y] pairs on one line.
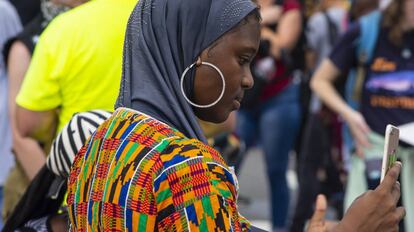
[[163, 38]]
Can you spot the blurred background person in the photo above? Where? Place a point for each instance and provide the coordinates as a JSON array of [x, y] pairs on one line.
[[270, 114], [57, 83], [9, 27], [41, 203], [319, 166], [378, 92], [18, 52]]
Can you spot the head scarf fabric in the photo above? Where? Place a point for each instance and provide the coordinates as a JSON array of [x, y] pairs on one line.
[[163, 38]]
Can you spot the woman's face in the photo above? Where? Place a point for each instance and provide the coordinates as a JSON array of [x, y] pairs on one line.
[[232, 54]]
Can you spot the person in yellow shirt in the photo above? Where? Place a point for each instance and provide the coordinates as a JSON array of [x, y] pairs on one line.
[[76, 67], [79, 49]]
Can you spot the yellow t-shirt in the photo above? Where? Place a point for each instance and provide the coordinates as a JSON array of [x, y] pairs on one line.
[[77, 63]]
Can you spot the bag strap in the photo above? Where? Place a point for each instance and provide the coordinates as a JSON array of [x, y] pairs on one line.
[[370, 26], [369, 30], [332, 28]]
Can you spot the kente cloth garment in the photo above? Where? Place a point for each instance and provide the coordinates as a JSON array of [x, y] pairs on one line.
[[136, 173]]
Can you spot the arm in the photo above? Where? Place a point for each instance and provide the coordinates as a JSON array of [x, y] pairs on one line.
[[287, 34], [39, 96], [322, 85], [270, 14], [27, 151], [40, 125]]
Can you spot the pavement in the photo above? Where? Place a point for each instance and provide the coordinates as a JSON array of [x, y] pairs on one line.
[[254, 186]]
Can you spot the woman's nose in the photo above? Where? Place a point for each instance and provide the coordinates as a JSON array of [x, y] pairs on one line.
[[247, 80]]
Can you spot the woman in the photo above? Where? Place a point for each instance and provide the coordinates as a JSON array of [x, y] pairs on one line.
[[147, 167], [382, 96]]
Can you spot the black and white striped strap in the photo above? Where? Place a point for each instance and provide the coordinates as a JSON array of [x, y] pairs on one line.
[[71, 139]]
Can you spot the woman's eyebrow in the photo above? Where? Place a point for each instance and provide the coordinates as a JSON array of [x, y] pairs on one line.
[[250, 49]]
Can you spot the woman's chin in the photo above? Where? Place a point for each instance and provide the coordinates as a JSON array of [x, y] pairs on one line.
[[216, 116]]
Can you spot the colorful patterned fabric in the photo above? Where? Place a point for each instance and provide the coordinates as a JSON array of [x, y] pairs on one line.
[[138, 174]]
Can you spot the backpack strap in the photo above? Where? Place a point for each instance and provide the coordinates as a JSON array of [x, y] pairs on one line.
[[369, 30], [332, 29], [370, 27]]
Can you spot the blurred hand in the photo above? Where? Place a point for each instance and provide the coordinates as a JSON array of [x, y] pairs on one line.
[[318, 222], [359, 130], [376, 210]]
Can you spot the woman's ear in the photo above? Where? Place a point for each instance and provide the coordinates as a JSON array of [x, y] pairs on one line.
[[204, 55]]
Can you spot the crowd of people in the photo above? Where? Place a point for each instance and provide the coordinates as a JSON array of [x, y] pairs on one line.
[[137, 115]]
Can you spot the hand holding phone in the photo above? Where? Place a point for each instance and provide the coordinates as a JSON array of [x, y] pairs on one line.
[[392, 135]]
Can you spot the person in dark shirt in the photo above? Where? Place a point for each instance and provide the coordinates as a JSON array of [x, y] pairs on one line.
[[386, 97]]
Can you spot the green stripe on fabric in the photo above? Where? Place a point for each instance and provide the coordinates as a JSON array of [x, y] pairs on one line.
[[95, 214], [111, 127], [203, 224], [142, 224], [164, 195], [207, 206], [162, 146], [125, 159], [224, 193]]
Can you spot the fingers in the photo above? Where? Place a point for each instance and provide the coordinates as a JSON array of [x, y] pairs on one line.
[[361, 137], [396, 191], [364, 126], [360, 130], [320, 210], [400, 212], [330, 225], [363, 140], [391, 177]]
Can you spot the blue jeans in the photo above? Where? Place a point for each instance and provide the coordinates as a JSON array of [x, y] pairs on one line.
[[274, 124]]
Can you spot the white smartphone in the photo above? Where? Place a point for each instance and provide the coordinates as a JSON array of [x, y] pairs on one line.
[[392, 135]]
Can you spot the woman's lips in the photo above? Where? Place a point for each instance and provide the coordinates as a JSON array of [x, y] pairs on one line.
[[236, 104]]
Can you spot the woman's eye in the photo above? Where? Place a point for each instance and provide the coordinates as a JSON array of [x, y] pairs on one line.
[[244, 60]]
